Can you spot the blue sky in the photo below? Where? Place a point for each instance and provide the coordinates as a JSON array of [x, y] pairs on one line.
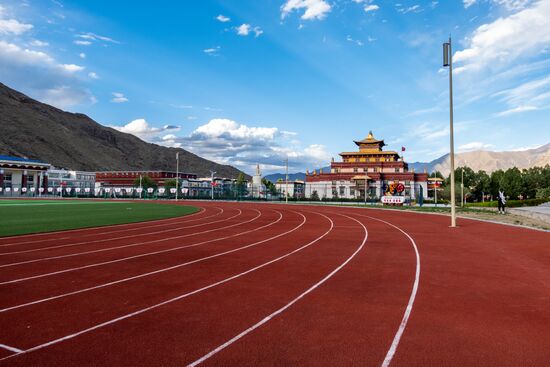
[[246, 82]]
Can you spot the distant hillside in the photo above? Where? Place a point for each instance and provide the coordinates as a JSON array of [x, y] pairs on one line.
[[36, 130], [489, 161], [274, 177]]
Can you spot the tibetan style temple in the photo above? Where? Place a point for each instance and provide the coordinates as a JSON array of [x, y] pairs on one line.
[[369, 169]]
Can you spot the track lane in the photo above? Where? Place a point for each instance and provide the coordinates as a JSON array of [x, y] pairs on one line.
[[42, 237], [241, 263], [57, 286], [50, 248], [142, 245]]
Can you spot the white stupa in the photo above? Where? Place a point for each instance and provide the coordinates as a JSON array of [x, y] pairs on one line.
[[258, 189]]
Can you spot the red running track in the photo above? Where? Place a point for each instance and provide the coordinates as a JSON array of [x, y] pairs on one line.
[[278, 285]]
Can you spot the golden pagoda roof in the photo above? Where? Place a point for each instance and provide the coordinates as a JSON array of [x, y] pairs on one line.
[[369, 140], [361, 177]]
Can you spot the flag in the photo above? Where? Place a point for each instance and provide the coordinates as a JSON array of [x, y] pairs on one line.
[[402, 149]]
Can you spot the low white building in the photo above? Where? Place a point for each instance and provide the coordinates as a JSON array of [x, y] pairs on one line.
[[294, 188], [70, 179], [22, 176]]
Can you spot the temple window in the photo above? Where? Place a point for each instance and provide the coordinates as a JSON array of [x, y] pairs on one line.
[[397, 170]]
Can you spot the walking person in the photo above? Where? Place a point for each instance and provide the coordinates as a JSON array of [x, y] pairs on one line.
[[501, 202]]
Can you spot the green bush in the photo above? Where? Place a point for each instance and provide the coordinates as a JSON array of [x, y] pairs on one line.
[[510, 203], [543, 193]]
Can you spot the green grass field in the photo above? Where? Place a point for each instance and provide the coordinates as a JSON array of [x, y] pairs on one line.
[[33, 216]]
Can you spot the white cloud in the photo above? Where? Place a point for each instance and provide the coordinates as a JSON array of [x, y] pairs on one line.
[[38, 43], [515, 110], [13, 26], [223, 18], [507, 4], [82, 43], [357, 42], [314, 9], [82, 55], [371, 7], [65, 96], [414, 9], [72, 68], [243, 29], [142, 129], [475, 145], [520, 35], [119, 98], [213, 51], [95, 37], [93, 75], [229, 142], [41, 76]]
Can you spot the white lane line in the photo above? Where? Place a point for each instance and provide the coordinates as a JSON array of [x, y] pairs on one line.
[[117, 238], [141, 225], [171, 267], [120, 259], [11, 349], [285, 307], [185, 295], [395, 343], [202, 210]]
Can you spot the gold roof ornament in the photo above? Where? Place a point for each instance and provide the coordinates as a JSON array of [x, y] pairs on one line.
[[307, 172], [320, 170]]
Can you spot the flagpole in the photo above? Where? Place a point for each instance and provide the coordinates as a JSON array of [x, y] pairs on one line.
[[177, 173]]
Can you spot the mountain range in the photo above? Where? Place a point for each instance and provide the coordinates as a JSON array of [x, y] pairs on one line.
[[488, 161], [31, 129]]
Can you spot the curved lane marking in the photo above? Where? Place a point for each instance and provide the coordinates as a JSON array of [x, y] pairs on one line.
[[168, 268], [185, 295], [115, 248], [117, 238], [395, 343], [202, 209], [285, 307], [180, 220]]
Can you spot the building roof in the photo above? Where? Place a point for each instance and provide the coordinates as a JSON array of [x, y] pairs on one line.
[[384, 152], [370, 140], [19, 159], [361, 177]]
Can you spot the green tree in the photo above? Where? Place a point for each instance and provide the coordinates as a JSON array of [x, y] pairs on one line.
[[169, 184], [146, 182], [241, 184], [314, 196], [512, 183], [481, 185]]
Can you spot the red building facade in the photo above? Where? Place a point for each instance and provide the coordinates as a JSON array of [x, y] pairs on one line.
[[370, 170]]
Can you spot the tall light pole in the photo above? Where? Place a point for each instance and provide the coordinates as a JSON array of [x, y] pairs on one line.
[[448, 61], [140, 187], [212, 173], [462, 189], [286, 181], [177, 173]]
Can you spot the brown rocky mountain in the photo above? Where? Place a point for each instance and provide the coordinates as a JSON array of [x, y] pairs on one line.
[[32, 129], [489, 161]]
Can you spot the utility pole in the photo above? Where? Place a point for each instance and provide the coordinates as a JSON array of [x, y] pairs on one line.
[[448, 61], [177, 173], [140, 187], [212, 173], [462, 189], [286, 181]]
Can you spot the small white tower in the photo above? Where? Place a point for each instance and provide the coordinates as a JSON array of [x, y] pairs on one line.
[[257, 187]]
